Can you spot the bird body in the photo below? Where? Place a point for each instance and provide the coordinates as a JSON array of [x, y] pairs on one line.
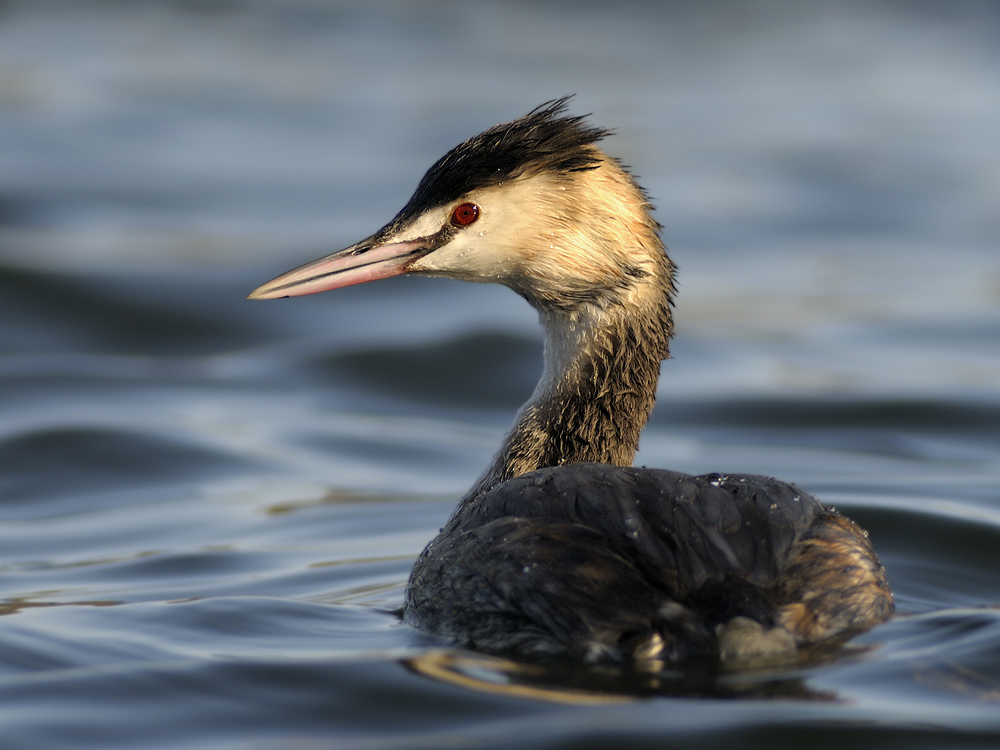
[[561, 548], [612, 562]]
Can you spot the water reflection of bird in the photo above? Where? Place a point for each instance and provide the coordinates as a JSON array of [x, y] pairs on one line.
[[560, 548]]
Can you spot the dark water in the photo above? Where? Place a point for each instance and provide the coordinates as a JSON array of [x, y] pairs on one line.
[[209, 507]]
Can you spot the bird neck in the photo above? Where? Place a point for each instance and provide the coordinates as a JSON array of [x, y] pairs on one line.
[[602, 364]]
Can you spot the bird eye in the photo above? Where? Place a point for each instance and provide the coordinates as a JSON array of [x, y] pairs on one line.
[[465, 214]]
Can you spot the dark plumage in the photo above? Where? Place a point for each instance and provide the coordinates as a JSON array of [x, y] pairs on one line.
[[560, 549], [625, 558], [541, 141]]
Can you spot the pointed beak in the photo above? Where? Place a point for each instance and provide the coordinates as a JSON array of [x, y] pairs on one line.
[[368, 260]]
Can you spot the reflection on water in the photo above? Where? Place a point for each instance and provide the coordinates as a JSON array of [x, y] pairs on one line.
[[209, 508], [757, 678]]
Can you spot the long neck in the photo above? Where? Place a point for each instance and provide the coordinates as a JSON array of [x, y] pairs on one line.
[[597, 390]]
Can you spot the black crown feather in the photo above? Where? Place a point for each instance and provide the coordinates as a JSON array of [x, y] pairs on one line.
[[539, 141]]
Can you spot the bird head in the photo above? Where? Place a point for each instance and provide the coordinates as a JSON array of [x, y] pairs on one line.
[[533, 204]]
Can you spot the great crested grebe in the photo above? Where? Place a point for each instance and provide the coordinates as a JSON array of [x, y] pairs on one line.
[[561, 548]]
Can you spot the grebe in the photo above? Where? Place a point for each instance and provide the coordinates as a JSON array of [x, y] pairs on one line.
[[561, 548]]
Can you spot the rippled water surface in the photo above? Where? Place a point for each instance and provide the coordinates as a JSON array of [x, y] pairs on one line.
[[209, 507]]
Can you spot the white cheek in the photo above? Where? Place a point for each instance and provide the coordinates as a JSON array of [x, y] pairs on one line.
[[492, 249], [473, 255]]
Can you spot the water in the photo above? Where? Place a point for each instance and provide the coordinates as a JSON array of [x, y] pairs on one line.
[[209, 507]]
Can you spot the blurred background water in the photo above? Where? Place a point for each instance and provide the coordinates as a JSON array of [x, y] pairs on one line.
[[209, 507]]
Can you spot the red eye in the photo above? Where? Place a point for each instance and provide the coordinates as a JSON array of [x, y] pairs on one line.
[[465, 214]]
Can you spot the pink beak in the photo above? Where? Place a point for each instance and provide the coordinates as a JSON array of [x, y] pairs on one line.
[[366, 261]]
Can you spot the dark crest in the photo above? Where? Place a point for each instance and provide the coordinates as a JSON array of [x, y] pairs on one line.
[[541, 140]]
